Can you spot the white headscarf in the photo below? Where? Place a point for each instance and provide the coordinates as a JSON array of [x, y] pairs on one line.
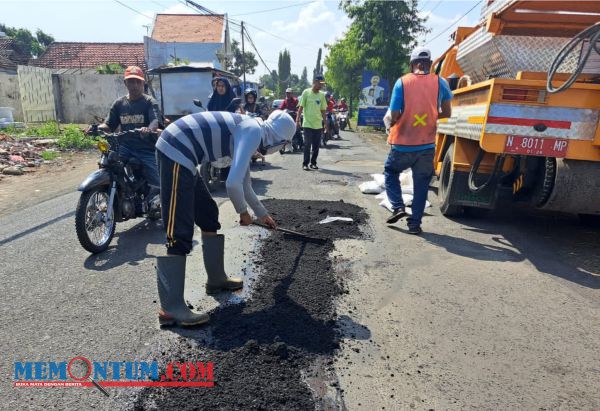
[[278, 130]]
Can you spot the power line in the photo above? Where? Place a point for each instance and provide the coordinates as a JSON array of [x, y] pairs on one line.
[[132, 9], [436, 6], [280, 38], [245, 32], [454, 22], [278, 8]]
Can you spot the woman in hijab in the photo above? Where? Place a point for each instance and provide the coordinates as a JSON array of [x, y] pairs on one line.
[[222, 96]]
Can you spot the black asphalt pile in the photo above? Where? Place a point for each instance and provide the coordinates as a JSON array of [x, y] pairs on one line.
[[264, 349]]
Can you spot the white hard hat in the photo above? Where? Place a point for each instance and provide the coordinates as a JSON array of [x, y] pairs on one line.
[[289, 90], [420, 53]]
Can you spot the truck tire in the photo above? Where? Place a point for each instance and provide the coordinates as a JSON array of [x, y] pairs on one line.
[[446, 186]]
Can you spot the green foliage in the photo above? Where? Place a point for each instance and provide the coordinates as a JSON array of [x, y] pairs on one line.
[[27, 43], [49, 129], [386, 31], [318, 67], [380, 38], [50, 155], [284, 67], [110, 68], [73, 138], [344, 66], [236, 65], [303, 83], [178, 62]]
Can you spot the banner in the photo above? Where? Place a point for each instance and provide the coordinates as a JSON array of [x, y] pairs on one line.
[[374, 100], [375, 91], [371, 116]]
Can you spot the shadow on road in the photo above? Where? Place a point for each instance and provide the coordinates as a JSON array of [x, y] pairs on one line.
[[555, 244], [130, 247]]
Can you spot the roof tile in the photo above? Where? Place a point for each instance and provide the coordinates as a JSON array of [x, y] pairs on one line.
[[88, 55], [188, 28]]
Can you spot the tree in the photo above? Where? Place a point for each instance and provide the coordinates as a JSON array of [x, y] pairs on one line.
[[236, 65], [387, 32], [345, 62], [25, 42], [284, 70], [303, 83], [318, 68]]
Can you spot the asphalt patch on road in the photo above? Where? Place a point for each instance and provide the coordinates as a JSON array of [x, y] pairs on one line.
[[275, 350]]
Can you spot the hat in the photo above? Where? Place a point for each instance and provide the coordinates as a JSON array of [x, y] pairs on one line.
[[420, 53], [319, 78], [134, 72], [289, 90]]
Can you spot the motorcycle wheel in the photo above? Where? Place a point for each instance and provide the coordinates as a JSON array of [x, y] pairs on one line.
[[93, 230], [343, 126], [206, 172]]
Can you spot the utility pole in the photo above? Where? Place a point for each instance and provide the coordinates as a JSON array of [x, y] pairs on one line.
[[243, 59]]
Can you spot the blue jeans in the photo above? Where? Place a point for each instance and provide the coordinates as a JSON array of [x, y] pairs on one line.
[[421, 163], [148, 158]]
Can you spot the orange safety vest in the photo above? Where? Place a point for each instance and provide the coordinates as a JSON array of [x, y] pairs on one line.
[[417, 124]]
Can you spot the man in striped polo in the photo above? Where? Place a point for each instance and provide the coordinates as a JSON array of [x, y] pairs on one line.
[[182, 146]]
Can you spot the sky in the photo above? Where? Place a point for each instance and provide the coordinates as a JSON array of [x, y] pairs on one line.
[[298, 26]]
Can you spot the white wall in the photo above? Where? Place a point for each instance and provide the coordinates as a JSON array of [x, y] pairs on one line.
[[160, 54], [83, 96], [10, 96], [182, 89]]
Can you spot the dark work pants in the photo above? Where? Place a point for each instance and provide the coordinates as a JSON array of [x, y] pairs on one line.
[[312, 137], [185, 201]]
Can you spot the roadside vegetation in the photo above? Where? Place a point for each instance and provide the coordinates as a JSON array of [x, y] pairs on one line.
[[67, 136]]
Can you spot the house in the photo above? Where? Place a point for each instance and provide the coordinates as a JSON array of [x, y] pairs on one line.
[[85, 57], [186, 38], [10, 56]]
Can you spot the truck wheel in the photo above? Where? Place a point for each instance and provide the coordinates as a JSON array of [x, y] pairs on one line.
[[446, 186]]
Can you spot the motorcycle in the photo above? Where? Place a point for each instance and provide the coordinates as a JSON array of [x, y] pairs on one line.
[[343, 119], [114, 193]]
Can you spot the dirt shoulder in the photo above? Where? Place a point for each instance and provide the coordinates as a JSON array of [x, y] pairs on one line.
[[46, 182]]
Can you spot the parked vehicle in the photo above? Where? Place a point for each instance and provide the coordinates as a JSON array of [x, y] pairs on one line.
[[114, 193], [511, 139]]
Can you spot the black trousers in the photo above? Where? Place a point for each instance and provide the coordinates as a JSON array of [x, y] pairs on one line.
[[185, 201], [312, 137]]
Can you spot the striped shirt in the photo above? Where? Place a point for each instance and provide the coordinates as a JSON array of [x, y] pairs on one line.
[[199, 137]]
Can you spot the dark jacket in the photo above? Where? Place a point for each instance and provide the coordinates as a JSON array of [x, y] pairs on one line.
[[219, 102]]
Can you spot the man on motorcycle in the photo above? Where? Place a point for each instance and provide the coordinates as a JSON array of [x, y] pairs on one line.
[[291, 102], [343, 107], [331, 104], [187, 142], [137, 110]]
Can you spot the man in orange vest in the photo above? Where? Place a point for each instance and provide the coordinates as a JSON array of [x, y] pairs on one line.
[[419, 99]]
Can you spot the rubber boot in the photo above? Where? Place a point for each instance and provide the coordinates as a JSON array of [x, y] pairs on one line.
[[170, 276], [213, 251]]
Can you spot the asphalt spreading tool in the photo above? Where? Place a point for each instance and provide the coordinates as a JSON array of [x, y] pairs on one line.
[[294, 235]]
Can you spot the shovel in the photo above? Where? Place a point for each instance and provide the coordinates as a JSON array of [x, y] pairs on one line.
[[294, 234]]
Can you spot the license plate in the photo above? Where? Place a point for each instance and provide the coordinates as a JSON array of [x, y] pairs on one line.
[[536, 146]]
